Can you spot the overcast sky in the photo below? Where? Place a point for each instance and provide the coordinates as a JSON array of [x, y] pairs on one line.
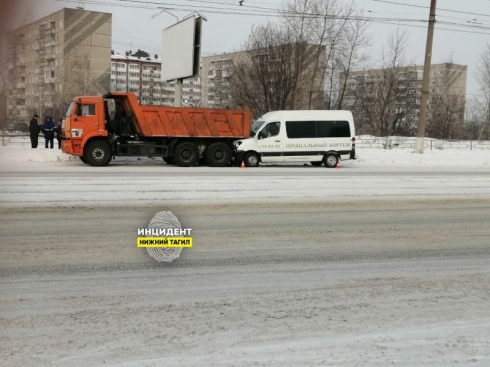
[[133, 28]]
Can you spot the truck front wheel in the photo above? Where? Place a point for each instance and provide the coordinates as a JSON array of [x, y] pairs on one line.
[[186, 154], [218, 155], [98, 153]]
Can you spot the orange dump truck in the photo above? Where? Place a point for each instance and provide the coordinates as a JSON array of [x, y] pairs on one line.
[[98, 129]]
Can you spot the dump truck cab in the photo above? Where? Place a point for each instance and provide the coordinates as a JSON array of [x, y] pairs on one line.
[[85, 120]]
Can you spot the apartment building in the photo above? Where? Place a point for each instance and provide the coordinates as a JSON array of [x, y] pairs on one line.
[[362, 89], [214, 79], [55, 58], [309, 94], [139, 73]]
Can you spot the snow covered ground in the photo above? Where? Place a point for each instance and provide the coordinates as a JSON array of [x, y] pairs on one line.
[[383, 262], [377, 174], [367, 158]]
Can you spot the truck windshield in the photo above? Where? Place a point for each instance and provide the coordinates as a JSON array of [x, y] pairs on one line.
[[70, 108], [255, 127]]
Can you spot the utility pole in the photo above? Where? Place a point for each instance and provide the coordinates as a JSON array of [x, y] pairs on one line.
[[425, 83]]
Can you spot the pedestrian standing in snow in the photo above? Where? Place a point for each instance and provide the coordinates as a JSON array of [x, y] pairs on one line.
[[48, 130], [34, 129], [57, 132]]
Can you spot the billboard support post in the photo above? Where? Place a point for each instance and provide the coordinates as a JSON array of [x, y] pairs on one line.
[[178, 93]]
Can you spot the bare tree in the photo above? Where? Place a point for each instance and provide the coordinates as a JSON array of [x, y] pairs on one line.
[[3, 95], [73, 77], [267, 75], [446, 108], [338, 31], [475, 119], [385, 98], [483, 100]]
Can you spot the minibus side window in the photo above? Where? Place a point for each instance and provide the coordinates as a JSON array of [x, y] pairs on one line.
[[333, 129], [300, 129]]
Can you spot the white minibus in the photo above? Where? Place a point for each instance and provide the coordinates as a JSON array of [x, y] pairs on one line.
[[319, 137]]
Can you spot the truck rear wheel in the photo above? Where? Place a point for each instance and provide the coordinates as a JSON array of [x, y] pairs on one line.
[[186, 154], [218, 155], [169, 160], [83, 160], [98, 153]]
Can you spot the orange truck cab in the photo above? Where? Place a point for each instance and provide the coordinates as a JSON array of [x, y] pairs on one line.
[[98, 129]]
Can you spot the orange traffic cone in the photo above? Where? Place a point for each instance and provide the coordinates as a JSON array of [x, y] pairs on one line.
[[243, 164], [338, 164]]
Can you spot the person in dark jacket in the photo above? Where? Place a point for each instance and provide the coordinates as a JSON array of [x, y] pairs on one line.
[[48, 130], [57, 132], [34, 129]]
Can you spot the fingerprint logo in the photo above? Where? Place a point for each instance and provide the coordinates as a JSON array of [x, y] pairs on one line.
[[165, 220]]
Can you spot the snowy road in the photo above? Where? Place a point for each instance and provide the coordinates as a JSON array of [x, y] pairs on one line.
[[291, 266], [351, 283]]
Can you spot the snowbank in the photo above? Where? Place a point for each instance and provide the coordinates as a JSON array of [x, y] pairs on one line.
[[367, 158], [14, 155], [392, 158]]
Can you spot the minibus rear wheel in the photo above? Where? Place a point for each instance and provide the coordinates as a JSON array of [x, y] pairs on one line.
[[330, 160]]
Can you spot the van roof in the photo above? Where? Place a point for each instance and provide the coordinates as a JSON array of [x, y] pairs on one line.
[[308, 114]]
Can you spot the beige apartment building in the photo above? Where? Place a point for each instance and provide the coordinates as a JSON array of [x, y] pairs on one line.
[[216, 70], [446, 79], [56, 58], [139, 73]]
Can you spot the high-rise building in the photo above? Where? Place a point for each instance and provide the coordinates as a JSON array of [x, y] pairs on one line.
[[139, 73], [55, 58], [309, 94], [368, 91]]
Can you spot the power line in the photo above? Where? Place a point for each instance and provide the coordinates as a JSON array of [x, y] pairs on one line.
[[426, 7], [386, 20]]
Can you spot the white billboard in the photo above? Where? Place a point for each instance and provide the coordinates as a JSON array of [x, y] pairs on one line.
[[180, 49]]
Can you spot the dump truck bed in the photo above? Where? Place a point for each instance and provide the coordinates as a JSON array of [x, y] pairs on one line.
[[159, 121]]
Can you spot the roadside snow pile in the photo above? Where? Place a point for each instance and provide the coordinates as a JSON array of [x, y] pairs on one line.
[[406, 158], [367, 158], [11, 155]]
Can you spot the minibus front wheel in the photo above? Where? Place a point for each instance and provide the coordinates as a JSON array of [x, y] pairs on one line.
[[252, 159]]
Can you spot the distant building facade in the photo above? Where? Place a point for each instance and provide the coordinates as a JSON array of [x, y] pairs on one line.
[[49, 60], [446, 79], [139, 73], [214, 79], [217, 69]]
